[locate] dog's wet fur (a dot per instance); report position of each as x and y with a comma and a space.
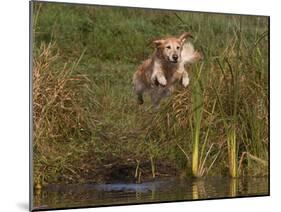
165, 67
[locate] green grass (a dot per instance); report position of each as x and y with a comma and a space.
88, 126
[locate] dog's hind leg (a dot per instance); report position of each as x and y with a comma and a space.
155, 100
139, 89
139, 93
140, 99
156, 96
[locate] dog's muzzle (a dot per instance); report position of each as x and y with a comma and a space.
175, 58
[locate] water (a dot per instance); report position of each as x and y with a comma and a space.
163, 190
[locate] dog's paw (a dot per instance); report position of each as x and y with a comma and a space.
155, 83
162, 80
185, 81
140, 100
198, 55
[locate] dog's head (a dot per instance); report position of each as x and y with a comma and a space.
170, 48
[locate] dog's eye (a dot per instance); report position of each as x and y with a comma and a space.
168, 47
178, 47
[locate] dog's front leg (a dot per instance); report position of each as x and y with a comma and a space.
185, 79
158, 75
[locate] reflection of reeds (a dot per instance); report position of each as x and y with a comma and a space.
198, 189
233, 187
195, 192
138, 195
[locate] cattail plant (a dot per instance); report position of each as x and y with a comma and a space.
197, 106
232, 152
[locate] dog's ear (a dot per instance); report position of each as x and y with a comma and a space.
184, 36
158, 43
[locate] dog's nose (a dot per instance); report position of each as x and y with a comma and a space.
175, 57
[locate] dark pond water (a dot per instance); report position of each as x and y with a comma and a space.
163, 190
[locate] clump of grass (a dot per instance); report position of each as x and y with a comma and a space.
237, 105
63, 103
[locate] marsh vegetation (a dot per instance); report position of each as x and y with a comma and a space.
87, 125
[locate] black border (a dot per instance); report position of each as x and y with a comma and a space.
31, 111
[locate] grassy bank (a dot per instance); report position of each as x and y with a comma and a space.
88, 126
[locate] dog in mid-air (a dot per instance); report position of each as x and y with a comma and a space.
164, 68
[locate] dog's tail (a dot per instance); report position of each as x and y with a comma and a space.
189, 55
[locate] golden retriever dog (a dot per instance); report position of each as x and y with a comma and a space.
166, 66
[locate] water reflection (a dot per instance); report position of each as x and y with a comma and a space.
169, 189
198, 190
233, 187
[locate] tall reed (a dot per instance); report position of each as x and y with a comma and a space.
197, 107
232, 152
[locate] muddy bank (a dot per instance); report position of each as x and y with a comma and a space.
130, 171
